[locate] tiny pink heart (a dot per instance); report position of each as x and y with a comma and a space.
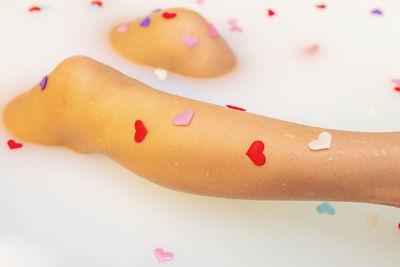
163, 256
213, 30
323, 142
123, 28
184, 118
189, 41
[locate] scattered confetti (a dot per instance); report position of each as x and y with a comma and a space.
255, 153
397, 89
161, 74
163, 256
200, 2
123, 27
270, 13
234, 107
145, 22
233, 26
213, 30
323, 142
377, 11
156, 10
312, 49
13, 145
325, 207
372, 219
185, 118
97, 3
396, 81
168, 15
321, 6
399, 226
35, 9
189, 41
141, 131
43, 83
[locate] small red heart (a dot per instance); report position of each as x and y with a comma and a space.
34, 8
321, 6
255, 153
97, 3
169, 15
13, 145
397, 89
271, 12
234, 107
141, 131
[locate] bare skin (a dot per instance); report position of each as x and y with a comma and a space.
90, 107
161, 45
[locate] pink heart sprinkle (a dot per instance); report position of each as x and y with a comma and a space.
233, 26
396, 81
184, 118
123, 28
163, 256
190, 42
213, 30
200, 2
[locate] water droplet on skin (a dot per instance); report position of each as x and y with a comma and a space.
283, 184
207, 174
176, 163
329, 159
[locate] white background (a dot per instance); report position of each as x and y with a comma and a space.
60, 208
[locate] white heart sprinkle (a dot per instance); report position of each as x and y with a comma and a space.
161, 74
323, 142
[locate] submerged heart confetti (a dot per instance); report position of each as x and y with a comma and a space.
323, 142
255, 153
43, 83
13, 145
190, 41
326, 208
145, 22
163, 256
233, 27
185, 118
168, 15
140, 131
377, 11
270, 13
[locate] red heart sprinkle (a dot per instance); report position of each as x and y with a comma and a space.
97, 3
34, 8
13, 145
321, 6
141, 131
397, 89
255, 153
234, 107
271, 12
399, 226
169, 15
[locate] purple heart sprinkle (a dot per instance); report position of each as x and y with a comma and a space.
43, 83
145, 22
377, 12
156, 10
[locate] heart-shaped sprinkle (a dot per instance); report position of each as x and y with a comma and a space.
396, 81
97, 3
141, 131
321, 6
399, 226
185, 118
200, 2
312, 49
13, 145
161, 74
123, 27
234, 107
43, 83
233, 26
255, 153
325, 207
377, 11
213, 30
168, 15
397, 89
35, 9
270, 12
323, 142
145, 22
163, 256
189, 41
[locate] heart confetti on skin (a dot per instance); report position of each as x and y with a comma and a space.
396, 81
161, 74
323, 142
35, 9
43, 83
185, 118
145, 22
255, 153
233, 26
213, 30
234, 107
123, 28
13, 145
190, 42
325, 207
163, 256
168, 15
141, 131
270, 12
321, 6
377, 11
